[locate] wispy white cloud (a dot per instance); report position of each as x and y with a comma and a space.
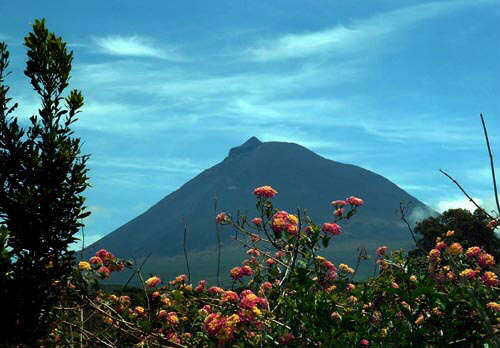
134, 46
358, 35
172, 165
454, 203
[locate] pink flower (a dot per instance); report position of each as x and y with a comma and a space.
103, 253
286, 338
473, 251
104, 271
270, 262
332, 275
332, 228
364, 342
441, 245
339, 203
200, 286
335, 315
246, 271
236, 273
486, 260
257, 221
381, 251
279, 254
493, 224
338, 212
266, 286
354, 201
265, 191
155, 295
468, 273
95, 260
434, 253
139, 310
222, 217
329, 265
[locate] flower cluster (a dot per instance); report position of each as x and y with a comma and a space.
331, 228
283, 221
265, 191
103, 262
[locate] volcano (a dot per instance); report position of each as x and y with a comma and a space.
301, 177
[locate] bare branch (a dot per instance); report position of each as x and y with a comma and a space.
466, 194
491, 164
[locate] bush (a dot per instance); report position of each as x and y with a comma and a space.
287, 295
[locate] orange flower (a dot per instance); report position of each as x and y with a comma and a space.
139, 310
493, 306
455, 249
450, 233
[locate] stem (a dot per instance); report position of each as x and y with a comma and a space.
491, 163
218, 241
185, 253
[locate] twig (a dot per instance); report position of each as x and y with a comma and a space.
290, 268
466, 194
217, 231
88, 333
491, 163
261, 251
403, 211
133, 274
185, 253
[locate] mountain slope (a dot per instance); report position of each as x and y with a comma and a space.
302, 179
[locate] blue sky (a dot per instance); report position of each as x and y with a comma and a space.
392, 86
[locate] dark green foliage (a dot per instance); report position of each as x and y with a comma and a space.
470, 230
42, 174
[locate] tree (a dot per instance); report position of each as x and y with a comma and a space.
470, 230
42, 176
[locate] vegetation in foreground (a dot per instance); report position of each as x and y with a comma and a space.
285, 294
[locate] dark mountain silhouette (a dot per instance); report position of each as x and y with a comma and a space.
302, 179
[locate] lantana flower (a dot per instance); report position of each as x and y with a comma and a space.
265, 191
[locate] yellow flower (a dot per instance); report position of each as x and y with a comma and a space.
84, 265
293, 219
413, 278
232, 320
256, 311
